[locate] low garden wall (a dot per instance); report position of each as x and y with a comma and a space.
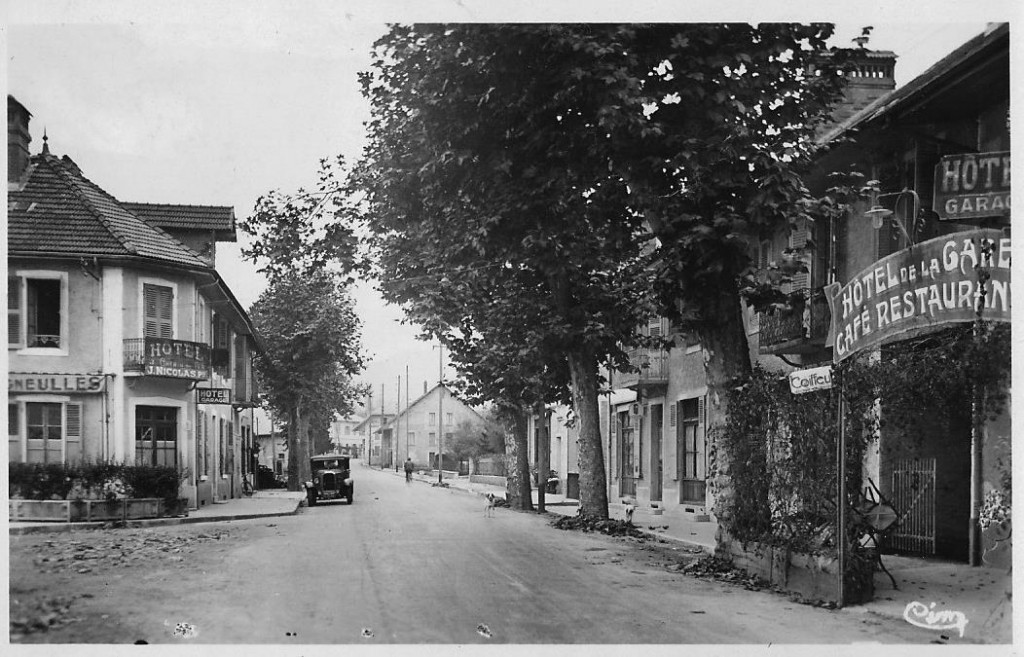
491, 480
94, 510
811, 577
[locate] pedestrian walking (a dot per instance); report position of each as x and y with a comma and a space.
408, 470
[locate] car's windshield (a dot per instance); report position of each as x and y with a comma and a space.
330, 464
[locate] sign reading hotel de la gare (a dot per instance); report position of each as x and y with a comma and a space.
920, 289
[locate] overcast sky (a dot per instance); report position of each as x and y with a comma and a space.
181, 102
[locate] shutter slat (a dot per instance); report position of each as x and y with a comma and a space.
14, 311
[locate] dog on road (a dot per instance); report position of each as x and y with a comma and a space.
629, 513
489, 509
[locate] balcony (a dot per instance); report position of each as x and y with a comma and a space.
652, 366
798, 330
176, 359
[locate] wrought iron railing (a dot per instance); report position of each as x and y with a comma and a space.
801, 327
650, 367
169, 358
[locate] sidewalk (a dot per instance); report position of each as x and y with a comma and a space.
982, 594
268, 503
667, 526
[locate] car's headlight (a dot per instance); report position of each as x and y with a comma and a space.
348, 482
316, 480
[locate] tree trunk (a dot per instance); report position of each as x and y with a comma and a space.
726, 365
541, 425
294, 483
593, 480
517, 460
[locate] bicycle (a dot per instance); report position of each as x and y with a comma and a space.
247, 488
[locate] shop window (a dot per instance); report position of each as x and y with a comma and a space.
54, 432
156, 435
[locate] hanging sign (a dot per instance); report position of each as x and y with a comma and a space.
213, 395
921, 289
816, 378
972, 186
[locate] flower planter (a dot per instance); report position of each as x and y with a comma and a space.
94, 510
40, 510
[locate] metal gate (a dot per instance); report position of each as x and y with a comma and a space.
913, 498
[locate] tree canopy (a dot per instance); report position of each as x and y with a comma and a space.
537, 191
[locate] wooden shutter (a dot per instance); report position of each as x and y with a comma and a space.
672, 415
798, 240
14, 313
73, 432
158, 302
14, 454
702, 448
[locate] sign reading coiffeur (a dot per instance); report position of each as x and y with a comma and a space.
816, 378
972, 186
920, 289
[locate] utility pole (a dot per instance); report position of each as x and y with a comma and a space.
383, 421
407, 411
398, 412
440, 416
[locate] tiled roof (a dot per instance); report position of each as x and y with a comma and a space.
186, 217
59, 211
935, 75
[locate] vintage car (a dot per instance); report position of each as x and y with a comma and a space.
332, 479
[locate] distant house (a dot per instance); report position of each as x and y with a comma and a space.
369, 434
414, 432
124, 343
345, 435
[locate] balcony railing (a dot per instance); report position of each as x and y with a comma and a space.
801, 329
175, 359
652, 365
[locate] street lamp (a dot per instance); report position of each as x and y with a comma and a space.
878, 213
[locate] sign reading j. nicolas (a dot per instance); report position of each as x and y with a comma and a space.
920, 289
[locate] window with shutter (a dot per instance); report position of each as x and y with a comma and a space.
14, 434
14, 312
158, 309
73, 432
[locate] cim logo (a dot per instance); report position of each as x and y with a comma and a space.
818, 378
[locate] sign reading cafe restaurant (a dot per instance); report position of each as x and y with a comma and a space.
919, 289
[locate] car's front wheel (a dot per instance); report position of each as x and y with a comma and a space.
311, 496
348, 496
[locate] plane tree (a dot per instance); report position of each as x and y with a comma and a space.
593, 174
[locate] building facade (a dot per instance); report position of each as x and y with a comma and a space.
414, 433
949, 127
124, 343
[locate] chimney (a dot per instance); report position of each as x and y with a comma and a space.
18, 139
872, 76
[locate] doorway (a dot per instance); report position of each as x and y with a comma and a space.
657, 423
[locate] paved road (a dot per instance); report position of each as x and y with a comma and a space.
407, 563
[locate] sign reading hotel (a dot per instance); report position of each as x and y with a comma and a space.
920, 289
213, 395
55, 383
972, 186
177, 359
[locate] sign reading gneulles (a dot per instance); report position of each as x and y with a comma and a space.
919, 289
55, 383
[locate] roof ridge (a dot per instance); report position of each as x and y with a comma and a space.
58, 167
75, 179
